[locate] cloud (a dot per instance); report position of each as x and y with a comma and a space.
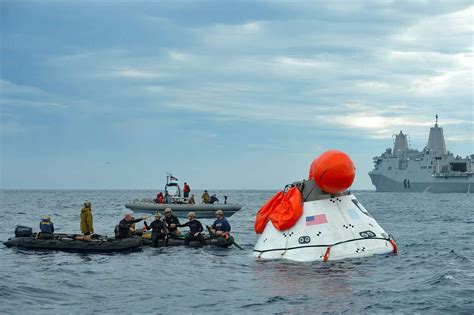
134, 73
220, 35
9, 88
344, 74
444, 32
28, 103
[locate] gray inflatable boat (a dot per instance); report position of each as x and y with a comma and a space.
181, 210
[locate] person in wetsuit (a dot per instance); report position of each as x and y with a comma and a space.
125, 226
172, 223
46, 228
221, 226
159, 230
213, 199
195, 228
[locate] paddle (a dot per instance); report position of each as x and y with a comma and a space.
237, 245
209, 229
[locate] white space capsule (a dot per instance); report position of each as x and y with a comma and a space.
332, 227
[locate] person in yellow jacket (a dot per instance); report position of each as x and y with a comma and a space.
87, 226
205, 197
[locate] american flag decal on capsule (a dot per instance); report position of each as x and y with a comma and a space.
316, 219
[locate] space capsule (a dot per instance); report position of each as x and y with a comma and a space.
319, 219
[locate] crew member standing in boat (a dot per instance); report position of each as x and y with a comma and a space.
191, 200
159, 197
186, 190
46, 228
195, 228
221, 226
205, 197
124, 229
159, 230
87, 226
172, 222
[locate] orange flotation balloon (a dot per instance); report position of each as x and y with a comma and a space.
265, 211
283, 210
288, 212
333, 171
311, 176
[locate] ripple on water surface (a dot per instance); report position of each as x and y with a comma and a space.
432, 273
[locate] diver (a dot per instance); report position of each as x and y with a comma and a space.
124, 229
221, 226
205, 197
159, 230
87, 226
172, 223
213, 199
46, 228
195, 228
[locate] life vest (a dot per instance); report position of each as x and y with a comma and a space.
46, 226
283, 210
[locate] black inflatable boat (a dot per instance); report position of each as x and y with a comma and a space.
67, 242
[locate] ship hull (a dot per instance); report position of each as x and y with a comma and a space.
461, 184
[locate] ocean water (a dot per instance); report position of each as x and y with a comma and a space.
433, 272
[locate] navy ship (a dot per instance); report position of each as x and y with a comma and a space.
432, 170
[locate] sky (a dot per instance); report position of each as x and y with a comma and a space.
225, 95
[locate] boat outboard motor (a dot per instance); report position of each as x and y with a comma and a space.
23, 231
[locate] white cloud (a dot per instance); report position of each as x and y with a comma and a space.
179, 56
7, 87
434, 32
135, 73
31, 103
220, 34
466, 137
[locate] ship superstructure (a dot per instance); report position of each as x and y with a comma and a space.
434, 169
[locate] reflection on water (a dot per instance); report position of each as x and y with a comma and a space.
322, 282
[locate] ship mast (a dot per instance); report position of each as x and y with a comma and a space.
436, 141
401, 144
